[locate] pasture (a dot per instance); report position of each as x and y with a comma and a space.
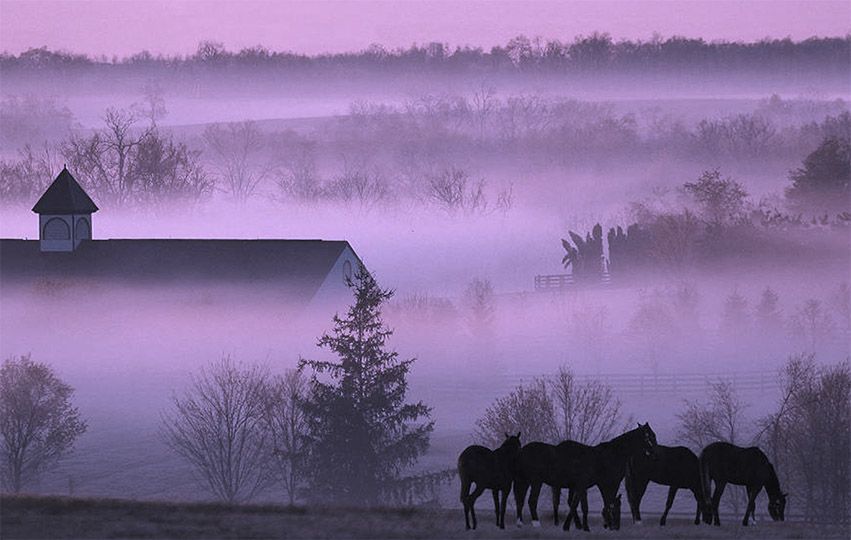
60, 517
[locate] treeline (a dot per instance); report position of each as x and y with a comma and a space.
719, 223
597, 51
559, 130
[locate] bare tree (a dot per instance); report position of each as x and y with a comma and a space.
481, 305
455, 191
287, 427
123, 165
809, 437
719, 419
152, 107
357, 186
586, 411
38, 424
528, 409
236, 148
27, 177
298, 178
484, 103
217, 425
811, 324
104, 159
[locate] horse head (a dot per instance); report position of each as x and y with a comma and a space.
612, 514
777, 507
647, 439
511, 444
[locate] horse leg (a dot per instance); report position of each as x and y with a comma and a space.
672, 492
533, 503
472, 502
576, 520
749, 511
697, 513
495, 493
502, 508
584, 502
556, 501
572, 501
716, 500
520, 489
465, 494
634, 496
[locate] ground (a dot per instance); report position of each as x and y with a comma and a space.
61, 517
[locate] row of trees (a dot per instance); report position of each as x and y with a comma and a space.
595, 51
719, 221
808, 436
344, 435
332, 431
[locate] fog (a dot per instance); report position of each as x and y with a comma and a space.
537, 158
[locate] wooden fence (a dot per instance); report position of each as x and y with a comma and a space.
649, 384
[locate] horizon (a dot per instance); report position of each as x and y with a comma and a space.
313, 29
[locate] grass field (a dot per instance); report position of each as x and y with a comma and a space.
60, 517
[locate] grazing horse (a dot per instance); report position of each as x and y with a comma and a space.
603, 465
542, 463
488, 469
725, 464
611, 514
676, 467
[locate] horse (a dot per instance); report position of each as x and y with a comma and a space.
676, 467
725, 464
541, 463
603, 465
488, 469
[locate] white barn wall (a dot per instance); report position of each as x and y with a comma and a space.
333, 295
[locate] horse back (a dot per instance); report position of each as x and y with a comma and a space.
675, 466
481, 465
734, 464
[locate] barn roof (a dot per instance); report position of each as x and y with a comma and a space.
65, 196
293, 268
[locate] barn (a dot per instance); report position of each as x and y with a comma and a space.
305, 272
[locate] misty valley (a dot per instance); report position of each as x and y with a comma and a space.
309, 282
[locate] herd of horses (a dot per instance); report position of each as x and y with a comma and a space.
633, 457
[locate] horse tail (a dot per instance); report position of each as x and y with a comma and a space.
705, 480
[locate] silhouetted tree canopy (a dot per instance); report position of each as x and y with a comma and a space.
823, 184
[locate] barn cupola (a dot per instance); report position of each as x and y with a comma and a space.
64, 214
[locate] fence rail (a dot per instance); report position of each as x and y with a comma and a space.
640, 384
560, 282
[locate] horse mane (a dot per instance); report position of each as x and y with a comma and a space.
619, 441
772, 484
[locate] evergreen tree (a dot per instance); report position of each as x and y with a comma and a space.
363, 433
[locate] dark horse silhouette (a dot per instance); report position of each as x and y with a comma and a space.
677, 467
577, 466
488, 469
725, 463
541, 463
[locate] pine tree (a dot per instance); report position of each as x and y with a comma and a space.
363, 433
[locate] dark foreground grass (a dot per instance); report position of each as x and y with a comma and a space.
61, 517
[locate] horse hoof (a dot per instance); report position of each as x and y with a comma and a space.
519, 523
536, 524
638, 523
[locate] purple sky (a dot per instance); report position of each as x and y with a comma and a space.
126, 27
